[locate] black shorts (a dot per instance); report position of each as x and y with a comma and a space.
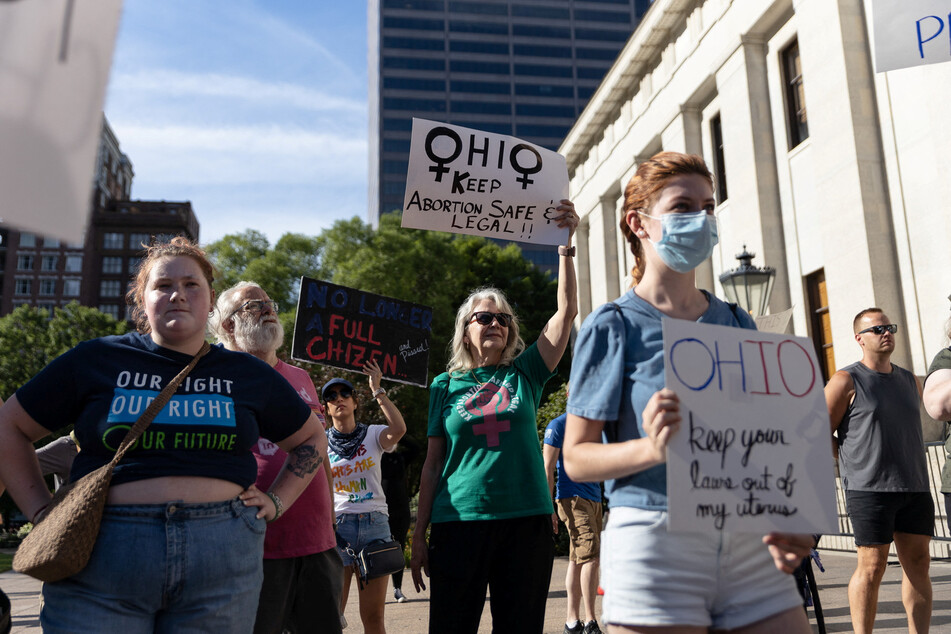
877, 516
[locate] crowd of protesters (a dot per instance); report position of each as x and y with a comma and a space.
255, 528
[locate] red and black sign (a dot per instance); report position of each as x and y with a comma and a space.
344, 328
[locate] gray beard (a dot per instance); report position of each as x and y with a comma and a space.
256, 338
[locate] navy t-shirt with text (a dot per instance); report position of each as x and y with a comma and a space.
207, 429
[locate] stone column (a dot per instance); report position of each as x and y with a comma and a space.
754, 215
584, 268
684, 132
609, 226
861, 260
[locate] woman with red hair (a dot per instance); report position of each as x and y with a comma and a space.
667, 582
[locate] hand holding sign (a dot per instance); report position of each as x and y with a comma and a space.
372, 369
661, 421
565, 217
788, 549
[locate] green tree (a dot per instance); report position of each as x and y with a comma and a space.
425, 267
233, 254
23, 337
29, 339
552, 408
74, 323
439, 270
249, 256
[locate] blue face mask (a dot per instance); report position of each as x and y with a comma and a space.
687, 240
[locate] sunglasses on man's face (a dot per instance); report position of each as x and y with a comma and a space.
880, 330
484, 318
331, 395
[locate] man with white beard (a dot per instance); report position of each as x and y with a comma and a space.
303, 573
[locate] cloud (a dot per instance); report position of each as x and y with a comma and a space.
280, 31
177, 84
253, 110
177, 154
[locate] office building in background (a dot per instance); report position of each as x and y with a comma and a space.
520, 67
48, 273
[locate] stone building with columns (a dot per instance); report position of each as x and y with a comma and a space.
831, 173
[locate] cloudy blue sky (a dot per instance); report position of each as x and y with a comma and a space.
254, 110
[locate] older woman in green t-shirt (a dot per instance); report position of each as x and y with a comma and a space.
483, 485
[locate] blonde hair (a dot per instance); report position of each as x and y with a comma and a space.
460, 359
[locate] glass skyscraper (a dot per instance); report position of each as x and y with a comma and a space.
519, 67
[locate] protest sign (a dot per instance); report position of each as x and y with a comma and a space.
344, 328
54, 64
911, 33
754, 449
462, 180
777, 322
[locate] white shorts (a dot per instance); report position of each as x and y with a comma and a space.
719, 580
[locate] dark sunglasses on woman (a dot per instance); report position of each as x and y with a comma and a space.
484, 318
331, 395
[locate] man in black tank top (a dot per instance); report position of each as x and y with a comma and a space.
874, 408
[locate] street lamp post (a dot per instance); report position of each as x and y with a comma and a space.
748, 285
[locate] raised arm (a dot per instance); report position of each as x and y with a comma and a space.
19, 467
428, 483
937, 394
554, 337
395, 425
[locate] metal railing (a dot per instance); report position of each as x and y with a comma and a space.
940, 545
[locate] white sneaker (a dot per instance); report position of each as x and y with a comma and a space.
343, 622
398, 595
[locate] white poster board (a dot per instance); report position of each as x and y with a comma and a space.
911, 33
55, 57
478, 183
777, 322
754, 449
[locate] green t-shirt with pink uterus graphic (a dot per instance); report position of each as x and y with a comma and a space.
493, 467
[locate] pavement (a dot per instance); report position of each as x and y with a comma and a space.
412, 617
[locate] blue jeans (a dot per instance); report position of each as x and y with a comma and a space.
170, 567
359, 529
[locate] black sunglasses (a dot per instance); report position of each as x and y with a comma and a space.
880, 330
484, 318
331, 395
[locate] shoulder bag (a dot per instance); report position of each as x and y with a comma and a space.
61, 543
377, 559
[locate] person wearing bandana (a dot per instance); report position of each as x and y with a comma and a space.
355, 450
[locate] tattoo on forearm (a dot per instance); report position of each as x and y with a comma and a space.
304, 460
